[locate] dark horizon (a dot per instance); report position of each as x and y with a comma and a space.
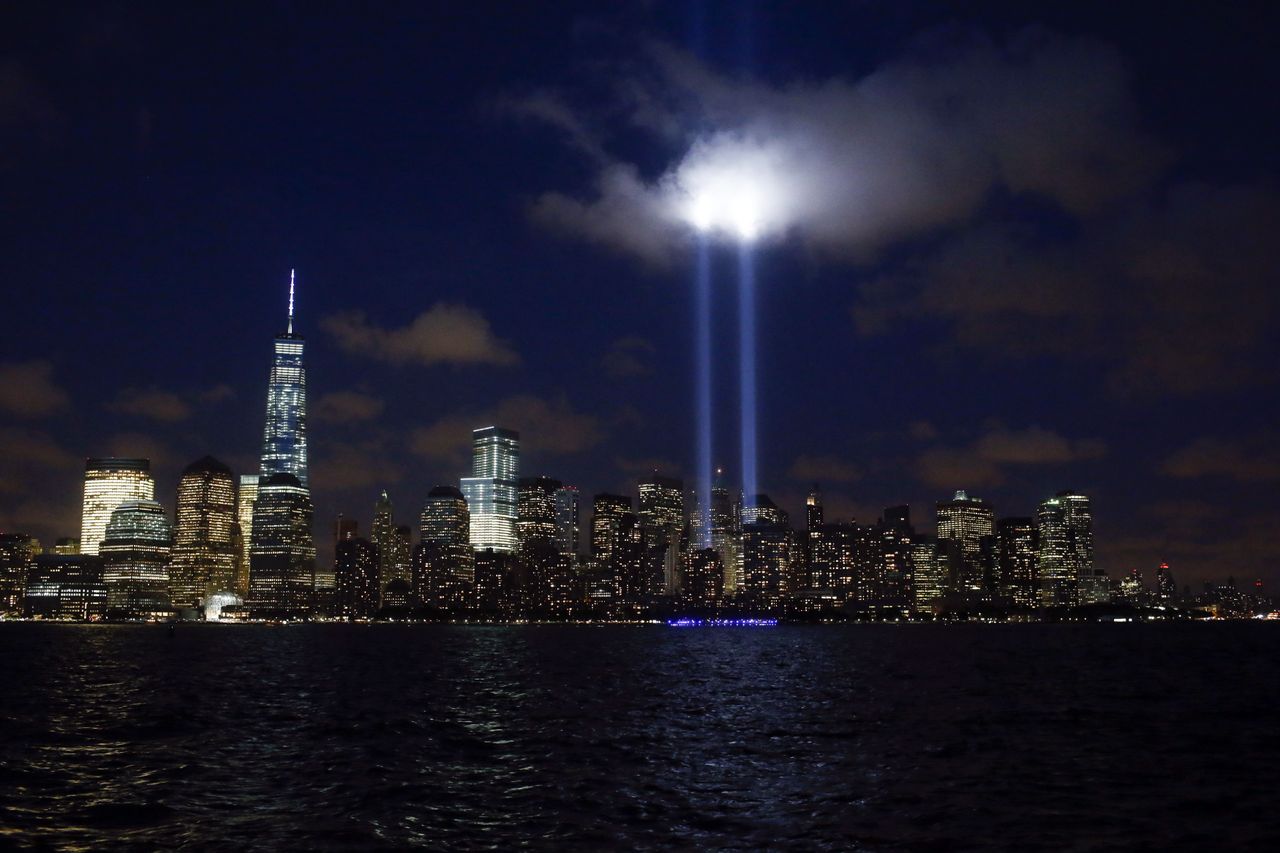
1084, 303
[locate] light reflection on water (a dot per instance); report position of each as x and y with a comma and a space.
332, 736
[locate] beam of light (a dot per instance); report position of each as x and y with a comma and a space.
703, 336
747, 368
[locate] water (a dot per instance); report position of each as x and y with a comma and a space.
1016, 737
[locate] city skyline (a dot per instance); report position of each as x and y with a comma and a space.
435, 301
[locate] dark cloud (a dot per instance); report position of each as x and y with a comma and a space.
347, 407
547, 427
27, 389
446, 334
824, 469
628, 356
984, 462
163, 406
1255, 460
1171, 295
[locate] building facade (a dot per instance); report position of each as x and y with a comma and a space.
491, 490
135, 552
282, 555
109, 482
204, 552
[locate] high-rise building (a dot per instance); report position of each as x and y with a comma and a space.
356, 581
617, 548
896, 535
1166, 588
16, 557
204, 556
1016, 560
66, 546
1064, 527
968, 521
767, 555
567, 515
244, 516
928, 572
135, 552
703, 583
444, 562
761, 509
662, 524
491, 489
282, 555
400, 566
383, 535
536, 511
726, 534
284, 440
66, 587
108, 483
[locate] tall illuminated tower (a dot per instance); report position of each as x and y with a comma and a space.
567, 513
107, 484
284, 441
491, 490
244, 514
204, 556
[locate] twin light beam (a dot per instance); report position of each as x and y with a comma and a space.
735, 214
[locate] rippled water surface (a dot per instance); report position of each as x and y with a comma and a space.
1021, 737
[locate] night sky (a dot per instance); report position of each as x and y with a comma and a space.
1034, 247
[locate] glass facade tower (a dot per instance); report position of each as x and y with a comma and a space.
204, 552
284, 440
491, 490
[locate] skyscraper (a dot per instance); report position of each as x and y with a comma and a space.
16, 557
726, 534
491, 489
567, 524
928, 572
107, 484
356, 580
244, 515
135, 555
1064, 527
204, 557
444, 562
282, 555
1166, 588
66, 587
536, 511
1016, 560
284, 440
382, 534
662, 523
968, 521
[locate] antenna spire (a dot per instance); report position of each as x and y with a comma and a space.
291, 301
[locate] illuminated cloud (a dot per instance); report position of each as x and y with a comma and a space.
984, 462
850, 166
27, 389
446, 334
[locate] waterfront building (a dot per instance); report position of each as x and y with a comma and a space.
204, 553
136, 549
444, 562
491, 490
109, 482
661, 525
1016, 548
16, 558
65, 587
244, 516
1064, 527
567, 520
928, 572
282, 554
969, 522
357, 585
703, 582
536, 511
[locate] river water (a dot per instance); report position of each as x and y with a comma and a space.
915, 737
